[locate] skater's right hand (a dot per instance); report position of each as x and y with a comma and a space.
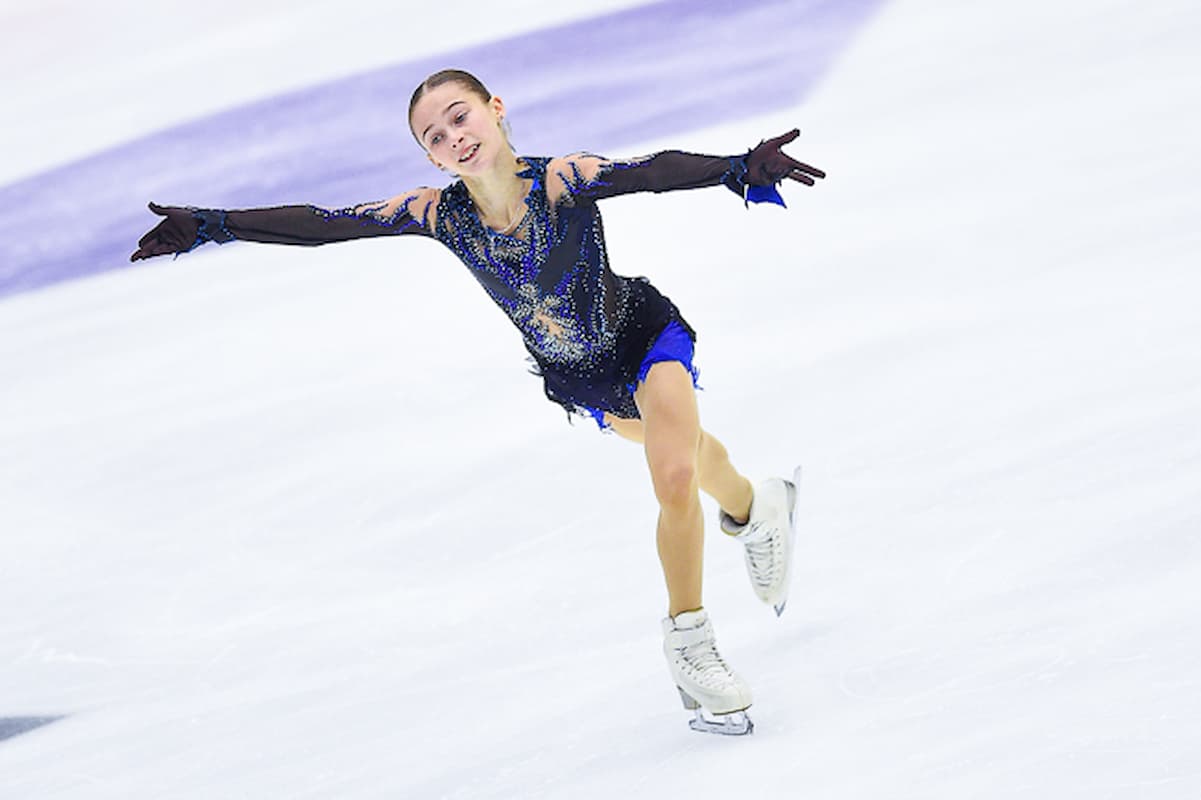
175, 234
767, 164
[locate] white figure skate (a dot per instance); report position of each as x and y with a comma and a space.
769, 536
703, 678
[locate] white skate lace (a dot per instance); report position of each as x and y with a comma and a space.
703, 664
765, 554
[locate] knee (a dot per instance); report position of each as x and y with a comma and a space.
675, 482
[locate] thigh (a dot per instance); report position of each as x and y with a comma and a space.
630, 429
671, 424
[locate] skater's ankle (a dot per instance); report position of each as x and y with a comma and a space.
741, 513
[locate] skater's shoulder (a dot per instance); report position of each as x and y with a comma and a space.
421, 204
576, 165
571, 174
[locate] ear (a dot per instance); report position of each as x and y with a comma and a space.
498, 107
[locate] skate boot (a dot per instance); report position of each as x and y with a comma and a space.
769, 536
703, 678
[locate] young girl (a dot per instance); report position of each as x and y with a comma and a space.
606, 346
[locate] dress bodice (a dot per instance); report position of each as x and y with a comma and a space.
550, 274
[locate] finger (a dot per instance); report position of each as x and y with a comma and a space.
153, 234
158, 249
802, 177
783, 139
163, 210
808, 170
792, 164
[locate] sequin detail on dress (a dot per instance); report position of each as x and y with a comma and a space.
551, 277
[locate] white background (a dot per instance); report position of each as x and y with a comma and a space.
274, 524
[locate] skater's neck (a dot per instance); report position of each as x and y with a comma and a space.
498, 193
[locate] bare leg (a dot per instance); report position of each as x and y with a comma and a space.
718, 478
671, 438
721, 481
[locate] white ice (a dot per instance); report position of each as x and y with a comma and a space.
274, 527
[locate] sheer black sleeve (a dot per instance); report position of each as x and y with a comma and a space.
590, 176
309, 225
753, 176
185, 228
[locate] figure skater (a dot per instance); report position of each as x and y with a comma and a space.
607, 347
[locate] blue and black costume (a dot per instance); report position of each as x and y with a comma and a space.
592, 334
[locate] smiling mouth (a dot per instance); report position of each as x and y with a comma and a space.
470, 154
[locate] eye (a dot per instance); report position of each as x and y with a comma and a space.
437, 137
462, 115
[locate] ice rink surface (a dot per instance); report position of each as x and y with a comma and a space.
295, 523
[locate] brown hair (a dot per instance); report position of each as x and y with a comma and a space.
469, 81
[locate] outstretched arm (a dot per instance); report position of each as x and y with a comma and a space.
185, 228
752, 176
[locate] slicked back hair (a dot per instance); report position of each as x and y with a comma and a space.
469, 81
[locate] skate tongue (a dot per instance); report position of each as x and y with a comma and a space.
686, 629
689, 619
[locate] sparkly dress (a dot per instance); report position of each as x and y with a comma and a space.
586, 328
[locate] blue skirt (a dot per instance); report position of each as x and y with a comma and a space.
674, 343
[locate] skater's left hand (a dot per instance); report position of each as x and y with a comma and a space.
766, 165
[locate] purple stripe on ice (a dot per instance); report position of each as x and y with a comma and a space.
599, 84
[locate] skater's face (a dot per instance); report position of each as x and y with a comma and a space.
461, 133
